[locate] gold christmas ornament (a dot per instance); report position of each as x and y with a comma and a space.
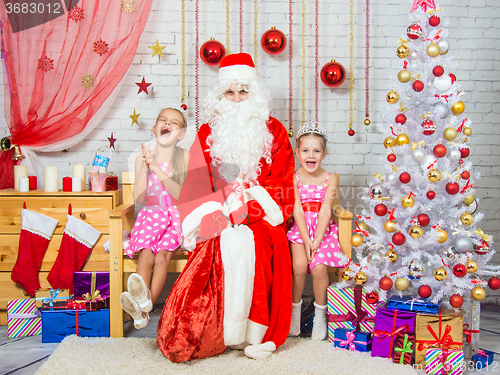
457, 108
360, 278
363, 226
466, 218
389, 142
290, 134
442, 236
467, 131
356, 240
434, 175
391, 255
392, 97
402, 139
390, 226
367, 121
416, 231
469, 199
478, 293
449, 134
433, 49
401, 284
407, 201
404, 76
345, 274
440, 274
471, 266
403, 51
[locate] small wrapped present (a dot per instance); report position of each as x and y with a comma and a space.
444, 362
472, 318
403, 349
52, 297
483, 358
111, 182
389, 324
420, 305
347, 308
97, 305
444, 330
91, 286
23, 318
352, 340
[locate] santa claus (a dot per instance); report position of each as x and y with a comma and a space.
235, 290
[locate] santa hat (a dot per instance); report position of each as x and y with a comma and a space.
237, 66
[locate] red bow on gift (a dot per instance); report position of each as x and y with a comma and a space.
350, 336
440, 341
468, 332
443, 357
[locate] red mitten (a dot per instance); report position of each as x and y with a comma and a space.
247, 214
212, 224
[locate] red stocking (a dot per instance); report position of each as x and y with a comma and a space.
36, 231
77, 242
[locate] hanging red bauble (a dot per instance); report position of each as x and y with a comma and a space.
452, 188
423, 220
482, 249
418, 85
385, 283
453, 78
414, 31
273, 41
351, 132
424, 291
372, 297
465, 175
380, 209
434, 21
429, 127
430, 195
398, 238
404, 177
438, 71
439, 150
332, 74
464, 152
212, 52
391, 158
184, 107
459, 270
401, 119
456, 300
494, 283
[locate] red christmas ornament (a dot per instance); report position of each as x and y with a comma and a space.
430, 195
273, 41
494, 283
439, 150
429, 127
482, 249
351, 132
465, 175
391, 158
401, 119
464, 152
332, 74
398, 238
452, 188
372, 297
184, 107
385, 283
453, 78
212, 52
404, 177
456, 301
423, 220
418, 85
380, 209
414, 31
459, 270
424, 291
438, 71
434, 21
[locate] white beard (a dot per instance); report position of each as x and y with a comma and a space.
240, 138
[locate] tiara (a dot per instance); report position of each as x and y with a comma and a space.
312, 127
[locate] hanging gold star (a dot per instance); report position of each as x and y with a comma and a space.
157, 49
135, 118
128, 6
87, 81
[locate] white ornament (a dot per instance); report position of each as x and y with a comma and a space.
455, 155
418, 154
444, 46
442, 83
463, 244
427, 162
392, 178
440, 109
414, 55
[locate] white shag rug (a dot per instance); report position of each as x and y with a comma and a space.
77, 355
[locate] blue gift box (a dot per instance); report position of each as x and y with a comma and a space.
483, 359
59, 323
420, 305
350, 339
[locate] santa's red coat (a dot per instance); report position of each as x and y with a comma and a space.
191, 324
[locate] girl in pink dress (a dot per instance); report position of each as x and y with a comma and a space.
314, 235
156, 235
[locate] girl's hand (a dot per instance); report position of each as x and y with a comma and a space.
148, 157
310, 251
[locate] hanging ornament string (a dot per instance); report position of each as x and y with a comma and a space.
367, 72
255, 37
241, 26
290, 71
183, 96
316, 64
303, 61
351, 70
197, 68
227, 27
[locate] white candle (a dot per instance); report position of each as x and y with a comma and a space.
19, 171
79, 171
76, 184
24, 184
50, 179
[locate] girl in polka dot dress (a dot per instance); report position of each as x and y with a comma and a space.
156, 235
313, 236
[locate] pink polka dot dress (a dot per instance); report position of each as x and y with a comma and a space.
157, 226
329, 252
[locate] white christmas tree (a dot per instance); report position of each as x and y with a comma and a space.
420, 234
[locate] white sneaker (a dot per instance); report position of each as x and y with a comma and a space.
130, 306
140, 292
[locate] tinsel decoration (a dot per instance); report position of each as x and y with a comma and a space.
183, 43
290, 71
351, 131
316, 62
197, 66
304, 61
241, 26
367, 68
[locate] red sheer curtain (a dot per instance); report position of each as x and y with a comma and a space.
57, 75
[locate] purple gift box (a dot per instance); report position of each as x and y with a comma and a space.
388, 325
91, 286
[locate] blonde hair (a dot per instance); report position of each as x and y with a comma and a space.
323, 139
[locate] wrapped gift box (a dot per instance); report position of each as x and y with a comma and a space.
451, 361
57, 323
352, 340
436, 331
420, 305
388, 325
472, 320
23, 318
52, 297
344, 306
403, 349
91, 286
483, 358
